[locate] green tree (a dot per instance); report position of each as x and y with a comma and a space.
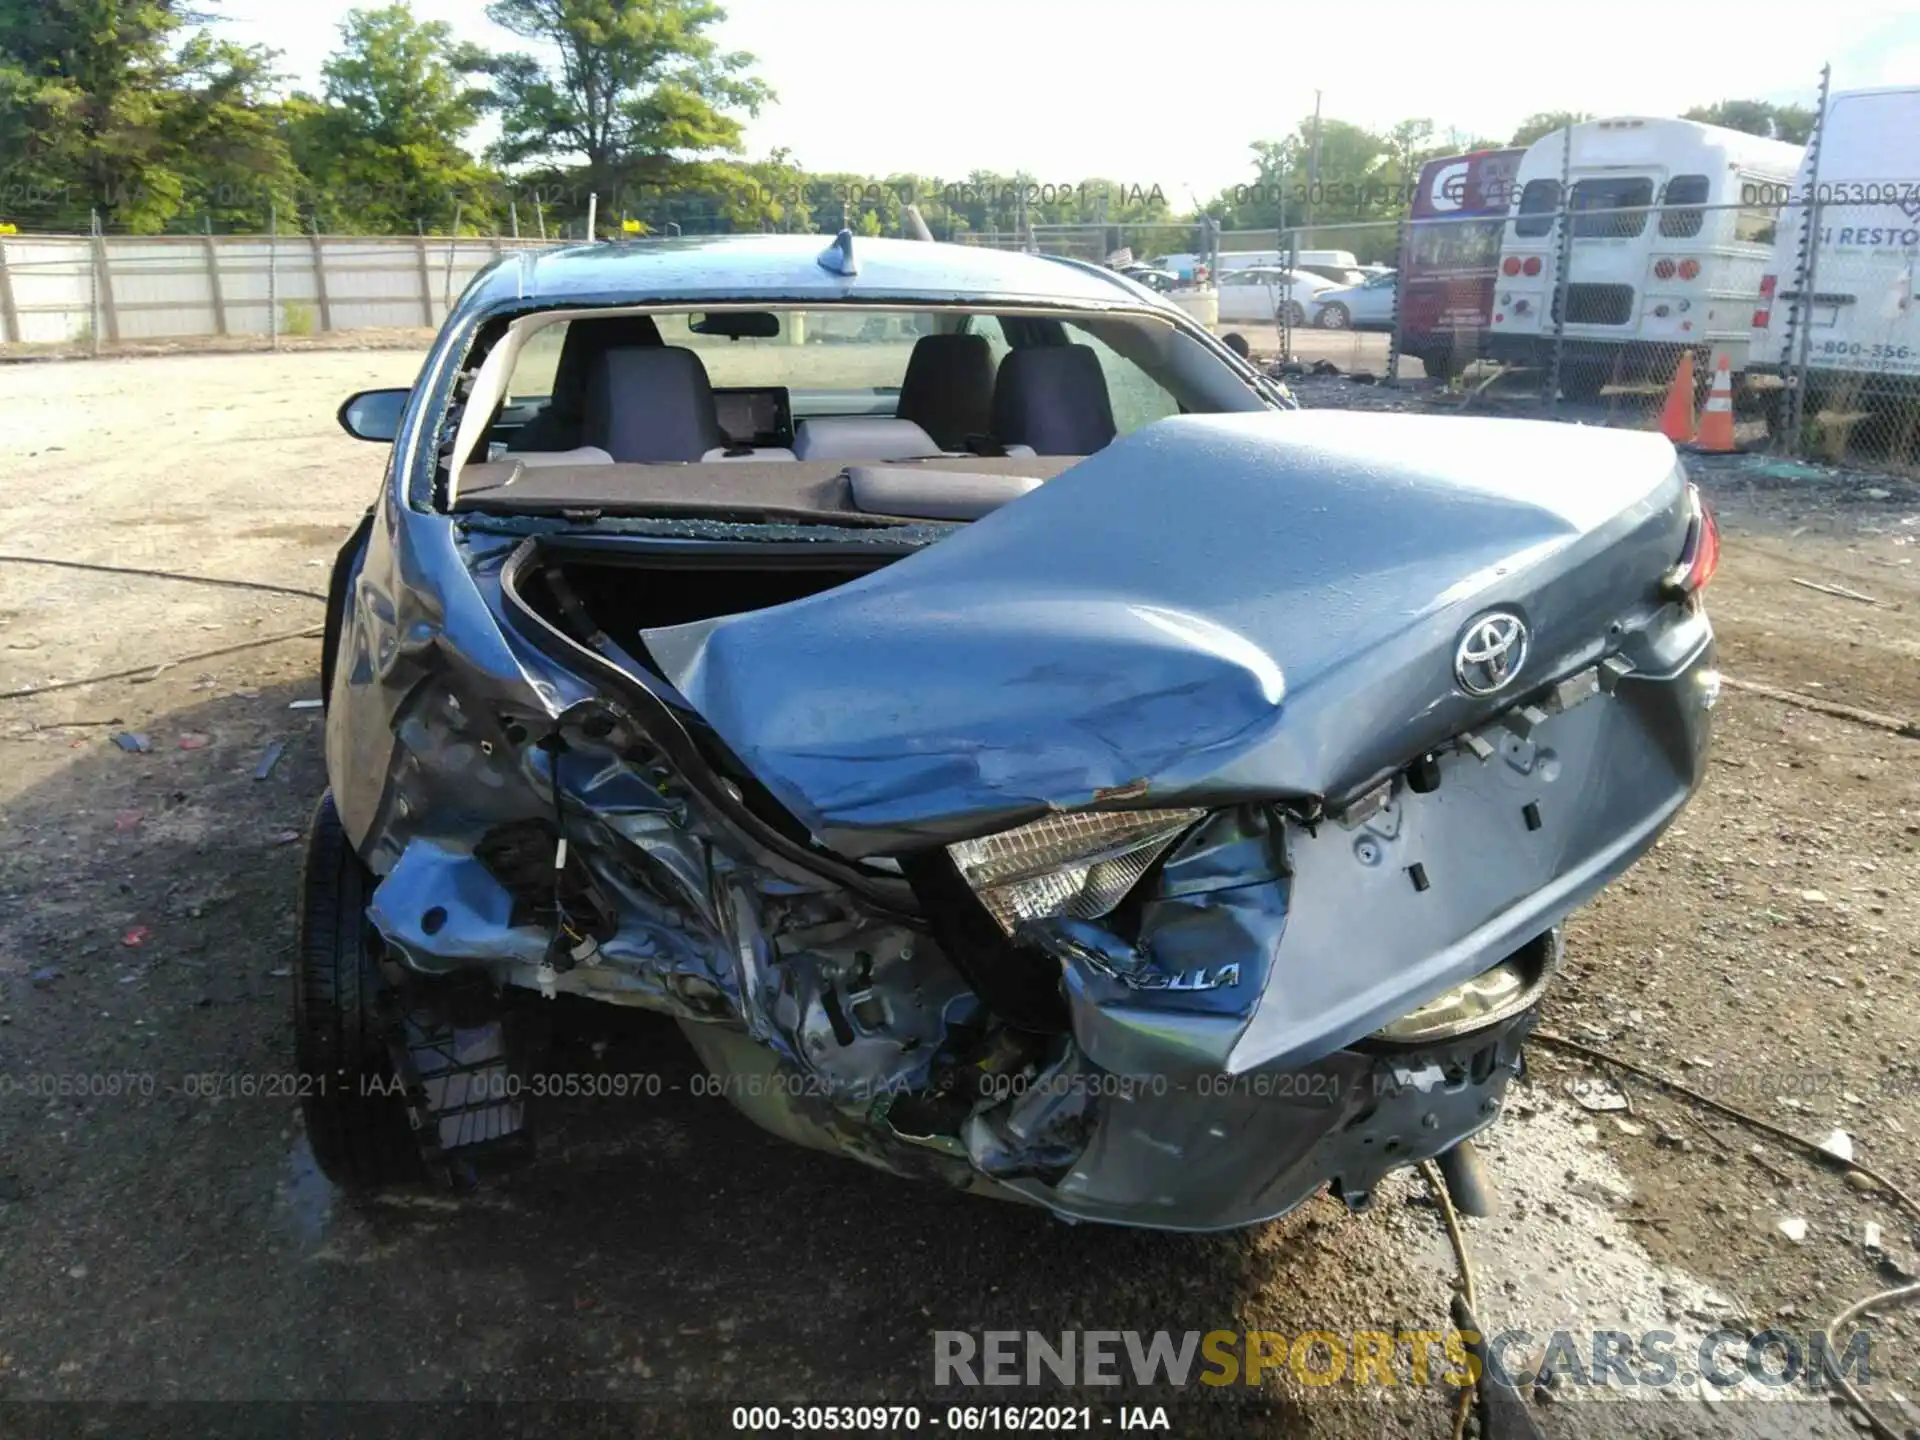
1545, 122
633, 92
228, 133
383, 151
84, 85
1792, 123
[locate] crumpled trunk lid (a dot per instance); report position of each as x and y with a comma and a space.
1213, 609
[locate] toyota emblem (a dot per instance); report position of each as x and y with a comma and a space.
1491, 653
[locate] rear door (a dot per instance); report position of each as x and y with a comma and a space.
1609, 248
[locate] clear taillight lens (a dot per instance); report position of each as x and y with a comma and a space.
1080, 865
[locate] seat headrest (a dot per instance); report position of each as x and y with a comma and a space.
1054, 398
948, 388
587, 340
645, 405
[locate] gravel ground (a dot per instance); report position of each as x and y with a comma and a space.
175, 1245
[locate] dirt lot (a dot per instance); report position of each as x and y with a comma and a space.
171, 1241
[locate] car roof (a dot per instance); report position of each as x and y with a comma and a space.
788, 268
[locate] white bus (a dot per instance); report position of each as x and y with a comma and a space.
1861, 326
1641, 285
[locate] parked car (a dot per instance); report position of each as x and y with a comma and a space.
1038, 758
1338, 261
1366, 306
1152, 277
1335, 274
1262, 292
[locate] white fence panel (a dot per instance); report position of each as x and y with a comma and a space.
166, 286
160, 287
50, 278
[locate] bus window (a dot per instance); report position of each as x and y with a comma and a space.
1536, 208
1684, 190
1456, 245
1617, 196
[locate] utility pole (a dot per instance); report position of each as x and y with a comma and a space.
1313, 160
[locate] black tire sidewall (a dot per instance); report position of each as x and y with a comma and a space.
356, 1119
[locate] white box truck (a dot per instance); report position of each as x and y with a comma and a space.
1860, 326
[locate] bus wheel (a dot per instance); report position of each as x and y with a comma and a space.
1440, 366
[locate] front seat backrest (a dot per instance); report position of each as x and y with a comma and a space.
1054, 398
651, 405
948, 388
557, 426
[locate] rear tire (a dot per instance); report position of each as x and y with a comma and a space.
355, 1115
1581, 380
1334, 316
1438, 367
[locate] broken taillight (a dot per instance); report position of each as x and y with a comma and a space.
1701, 557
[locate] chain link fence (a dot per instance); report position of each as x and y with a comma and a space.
1757, 324
1794, 313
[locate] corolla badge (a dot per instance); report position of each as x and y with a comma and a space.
1491, 653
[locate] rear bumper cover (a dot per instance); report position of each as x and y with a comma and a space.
1238, 1150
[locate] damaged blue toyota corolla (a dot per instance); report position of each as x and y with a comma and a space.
1018, 746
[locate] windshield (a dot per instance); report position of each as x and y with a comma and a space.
842, 352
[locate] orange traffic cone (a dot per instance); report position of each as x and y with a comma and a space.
1716, 421
1676, 420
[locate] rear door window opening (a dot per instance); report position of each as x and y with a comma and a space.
1683, 190
1617, 195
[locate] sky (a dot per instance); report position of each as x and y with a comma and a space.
1172, 95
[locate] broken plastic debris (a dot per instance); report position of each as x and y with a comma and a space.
1839, 1145
270, 759
304, 705
1794, 1228
1787, 470
134, 744
1872, 1236
136, 937
286, 837
193, 740
1599, 1095
45, 977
